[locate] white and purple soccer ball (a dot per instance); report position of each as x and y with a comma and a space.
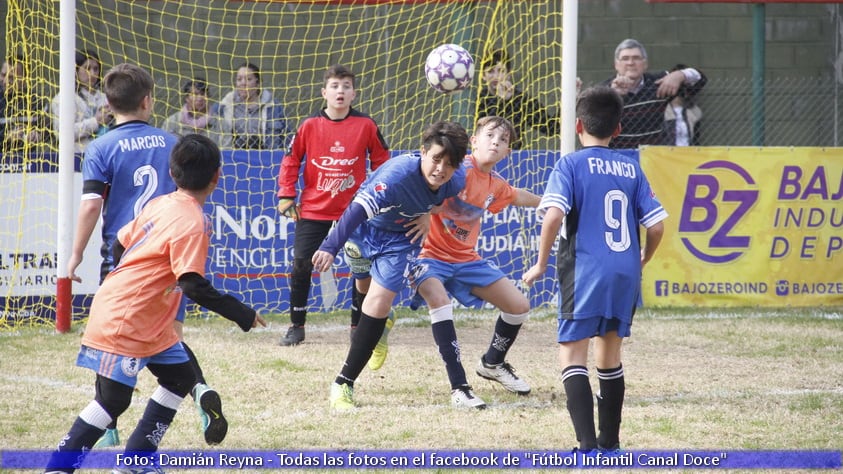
449, 68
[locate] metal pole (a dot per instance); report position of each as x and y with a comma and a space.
67, 113
758, 66
569, 75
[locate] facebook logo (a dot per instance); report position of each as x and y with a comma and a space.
661, 288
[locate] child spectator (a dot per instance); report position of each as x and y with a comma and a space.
196, 115
93, 115
250, 118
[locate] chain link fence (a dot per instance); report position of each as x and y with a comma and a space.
794, 112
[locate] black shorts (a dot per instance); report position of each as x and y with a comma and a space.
308, 236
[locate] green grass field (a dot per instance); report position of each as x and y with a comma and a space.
743, 379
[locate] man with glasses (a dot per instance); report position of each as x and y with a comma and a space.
646, 95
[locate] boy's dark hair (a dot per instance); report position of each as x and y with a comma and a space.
197, 83
449, 135
496, 56
86, 54
125, 86
255, 70
193, 162
497, 122
599, 109
338, 71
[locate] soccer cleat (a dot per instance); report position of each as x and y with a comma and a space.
463, 397
109, 439
209, 406
341, 396
381, 350
294, 336
504, 374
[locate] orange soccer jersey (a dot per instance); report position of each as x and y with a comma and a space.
133, 311
455, 229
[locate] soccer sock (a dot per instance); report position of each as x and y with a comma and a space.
609, 406
299, 290
356, 304
156, 419
580, 405
390, 321
85, 431
369, 332
506, 330
445, 337
194, 364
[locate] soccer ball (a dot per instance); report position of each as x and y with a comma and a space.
449, 68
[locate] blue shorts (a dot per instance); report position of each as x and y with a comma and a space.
458, 278
125, 369
390, 254
570, 330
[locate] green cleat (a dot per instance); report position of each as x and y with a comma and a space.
381, 350
341, 396
109, 439
209, 406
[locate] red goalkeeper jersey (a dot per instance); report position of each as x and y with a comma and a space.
334, 153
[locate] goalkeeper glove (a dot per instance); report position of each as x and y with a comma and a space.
288, 208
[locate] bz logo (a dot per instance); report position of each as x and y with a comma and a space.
704, 200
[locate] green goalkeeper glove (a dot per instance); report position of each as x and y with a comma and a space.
287, 207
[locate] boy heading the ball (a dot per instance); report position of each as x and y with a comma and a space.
402, 190
159, 256
449, 264
332, 145
599, 261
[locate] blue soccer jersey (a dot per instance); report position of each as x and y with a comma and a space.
397, 193
133, 160
603, 194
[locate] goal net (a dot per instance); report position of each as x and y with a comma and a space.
292, 42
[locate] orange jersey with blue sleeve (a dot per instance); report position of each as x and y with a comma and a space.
454, 230
133, 311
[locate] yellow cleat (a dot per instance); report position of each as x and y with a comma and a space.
341, 396
381, 350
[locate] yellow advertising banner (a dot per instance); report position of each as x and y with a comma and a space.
747, 226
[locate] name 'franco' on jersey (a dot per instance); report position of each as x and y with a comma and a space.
603, 193
397, 193
133, 158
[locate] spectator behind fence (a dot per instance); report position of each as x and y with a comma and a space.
500, 97
646, 95
250, 119
197, 114
682, 116
24, 121
4, 71
93, 116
